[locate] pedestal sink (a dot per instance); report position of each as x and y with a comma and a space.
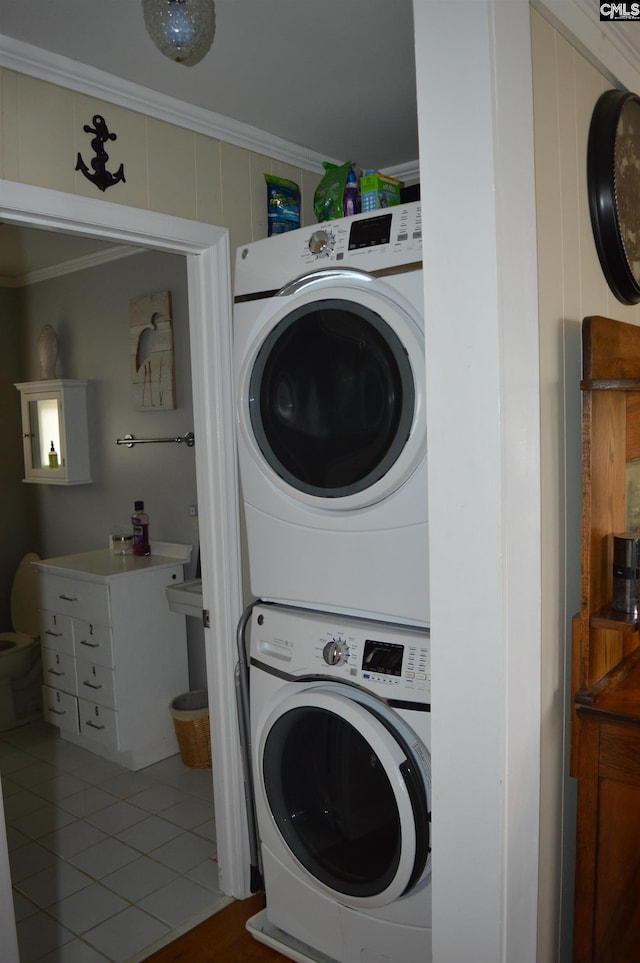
186, 598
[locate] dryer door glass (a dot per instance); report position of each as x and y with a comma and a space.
331, 398
334, 803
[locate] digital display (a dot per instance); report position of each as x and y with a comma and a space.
383, 657
370, 231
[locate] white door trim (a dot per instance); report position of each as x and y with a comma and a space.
207, 251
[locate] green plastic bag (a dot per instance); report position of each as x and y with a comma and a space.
329, 194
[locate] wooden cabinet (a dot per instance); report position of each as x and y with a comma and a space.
605, 732
54, 423
114, 655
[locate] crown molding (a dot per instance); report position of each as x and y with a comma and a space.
613, 48
71, 266
52, 68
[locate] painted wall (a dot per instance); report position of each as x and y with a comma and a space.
571, 286
168, 169
18, 522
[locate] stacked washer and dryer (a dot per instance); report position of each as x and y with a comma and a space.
330, 386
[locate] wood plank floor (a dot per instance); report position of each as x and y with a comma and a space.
222, 938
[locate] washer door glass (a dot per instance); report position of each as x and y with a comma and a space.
331, 398
347, 798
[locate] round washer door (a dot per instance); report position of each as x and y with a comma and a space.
347, 784
332, 391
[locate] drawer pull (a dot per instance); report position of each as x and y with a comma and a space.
55, 672
68, 598
56, 635
91, 645
92, 685
93, 725
58, 712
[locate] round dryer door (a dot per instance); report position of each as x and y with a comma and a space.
334, 394
347, 784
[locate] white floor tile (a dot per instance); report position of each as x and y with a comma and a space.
183, 853
127, 784
159, 798
137, 880
82, 804
208, 830
54, 883
126, 934
76, 951
30, 775
178, 902
206, 874
90, 842
28, 860
188, 813
104, 858
23, 907
147, 835
40, 934
87, 908
16, 839
113, 819
42, 821
59, 787
20, 803
72, 839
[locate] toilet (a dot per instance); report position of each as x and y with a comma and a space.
20, 665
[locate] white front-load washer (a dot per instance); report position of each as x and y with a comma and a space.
329, 366
340, 739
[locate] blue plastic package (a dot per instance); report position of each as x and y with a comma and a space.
283, 204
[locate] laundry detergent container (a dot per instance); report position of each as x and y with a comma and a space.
190, 713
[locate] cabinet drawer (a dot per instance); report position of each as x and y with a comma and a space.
60, 709
98, 723
93, 642
75, 597
56, 631
96, 683
59, 670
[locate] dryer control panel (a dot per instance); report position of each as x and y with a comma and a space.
394, 661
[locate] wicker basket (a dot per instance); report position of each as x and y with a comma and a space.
190, 713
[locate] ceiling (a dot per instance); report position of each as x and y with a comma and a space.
350, 62
336, 77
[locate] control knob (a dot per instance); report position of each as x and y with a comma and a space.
320, 242
335, 652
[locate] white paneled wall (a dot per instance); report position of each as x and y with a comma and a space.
571, 286
168, 169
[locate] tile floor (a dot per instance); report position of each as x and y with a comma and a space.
106, 863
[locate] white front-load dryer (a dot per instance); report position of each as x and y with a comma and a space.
340, 737
329, 363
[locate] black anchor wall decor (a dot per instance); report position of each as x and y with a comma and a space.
101, 177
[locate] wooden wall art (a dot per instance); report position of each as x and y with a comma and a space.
151, 347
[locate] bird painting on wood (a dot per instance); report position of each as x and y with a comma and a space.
151, 347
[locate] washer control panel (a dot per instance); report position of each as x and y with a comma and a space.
374, 242
392, 660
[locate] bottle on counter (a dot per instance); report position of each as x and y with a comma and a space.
53, 456
140, 522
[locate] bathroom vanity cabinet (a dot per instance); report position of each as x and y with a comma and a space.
54, 416
114, 655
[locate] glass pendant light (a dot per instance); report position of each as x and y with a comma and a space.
181, 29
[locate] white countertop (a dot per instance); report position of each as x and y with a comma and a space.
102, 563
